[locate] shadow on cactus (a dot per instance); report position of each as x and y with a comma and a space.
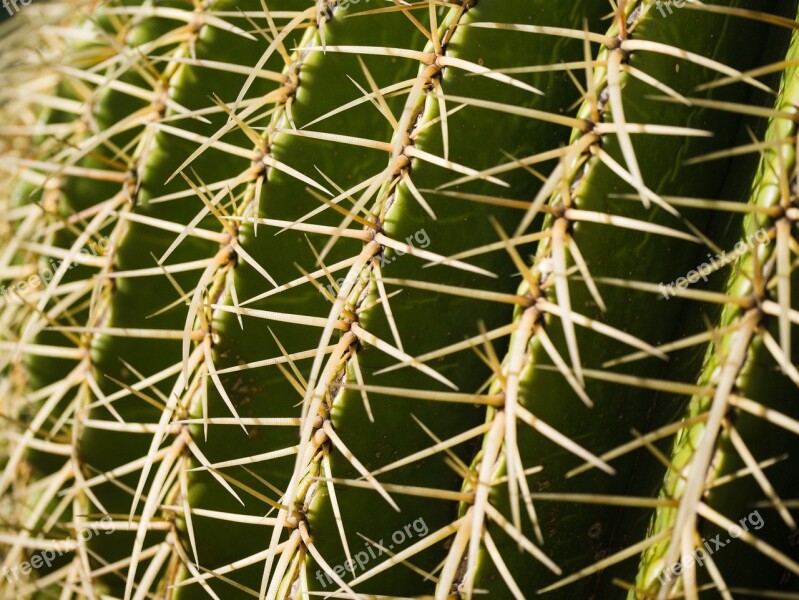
399, 299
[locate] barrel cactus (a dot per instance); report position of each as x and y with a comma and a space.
425, 299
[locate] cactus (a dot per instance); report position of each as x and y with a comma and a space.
399, 299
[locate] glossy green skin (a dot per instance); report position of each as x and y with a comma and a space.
761, 380
135, 299
423, 329
265, 392
79, 194
577, 535
426, 320
429, 320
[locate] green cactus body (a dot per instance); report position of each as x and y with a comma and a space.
733, 432
389, 303
545, 393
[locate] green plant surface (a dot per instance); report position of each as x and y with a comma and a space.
390, 302
742, 416
422, 329
79, 213
577, 536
